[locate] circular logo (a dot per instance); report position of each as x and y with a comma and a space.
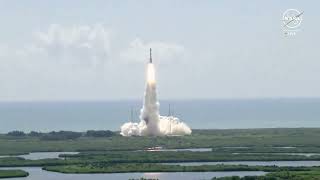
292, 18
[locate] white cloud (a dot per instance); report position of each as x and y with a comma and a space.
3, 50
138, 51
68, 62
88, 45
57, 63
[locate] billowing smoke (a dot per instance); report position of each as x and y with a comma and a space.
151, 123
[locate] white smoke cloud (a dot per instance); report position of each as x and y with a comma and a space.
168, 125
166, 51
151, 123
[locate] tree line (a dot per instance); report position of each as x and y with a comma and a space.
63, 135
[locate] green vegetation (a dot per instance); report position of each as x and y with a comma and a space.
16, 133
107, 151
184, 156
147, 167
107, 133
13, 173
312, 174
296, 175
246, 178
149, 157
60, 135
257, 140
276, 173
20, 162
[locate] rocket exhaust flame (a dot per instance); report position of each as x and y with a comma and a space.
151, 74
151, 123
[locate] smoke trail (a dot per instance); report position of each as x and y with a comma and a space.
150, 111
151, 123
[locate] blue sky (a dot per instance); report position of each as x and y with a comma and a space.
97, 50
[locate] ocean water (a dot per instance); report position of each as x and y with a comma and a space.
215, 114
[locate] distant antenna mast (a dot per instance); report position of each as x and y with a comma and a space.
170, 128
170, 125
170, 111
136, 113
131, 114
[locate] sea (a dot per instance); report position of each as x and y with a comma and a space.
198, 114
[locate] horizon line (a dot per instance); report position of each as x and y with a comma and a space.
164, 99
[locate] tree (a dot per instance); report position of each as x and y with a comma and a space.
16, 133
61, 135
100, 133
35, 134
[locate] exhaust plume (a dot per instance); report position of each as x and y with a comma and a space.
151, 123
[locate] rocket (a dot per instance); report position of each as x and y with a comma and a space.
150, 61
150, 71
